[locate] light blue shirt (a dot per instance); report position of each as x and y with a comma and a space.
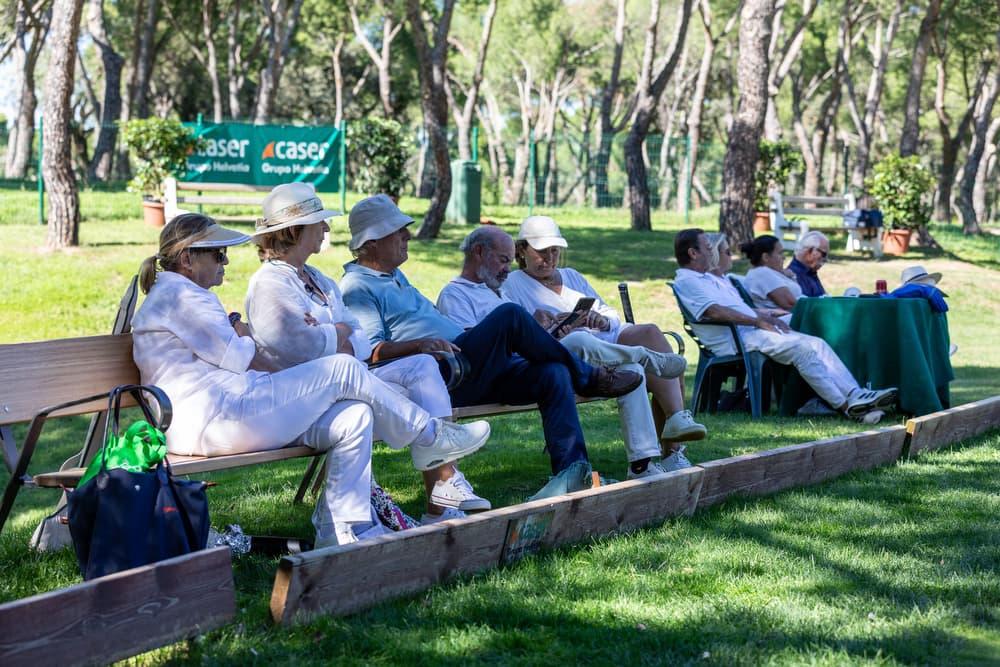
390, 309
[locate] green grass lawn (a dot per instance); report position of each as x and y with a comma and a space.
894, 566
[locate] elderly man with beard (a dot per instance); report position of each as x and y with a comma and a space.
476, 293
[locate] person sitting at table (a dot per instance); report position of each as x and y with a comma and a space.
542, 285
810, 256
769, 284
720, 263
510, 358
476, 293
229, 398
711, 299
297, 314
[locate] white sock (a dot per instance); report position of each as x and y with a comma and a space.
426, 436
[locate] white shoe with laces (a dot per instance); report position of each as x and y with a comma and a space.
651, 470
676, 461
447, 514
451, 442
458, 493
681, 427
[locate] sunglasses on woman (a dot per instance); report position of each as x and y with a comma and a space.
219, 254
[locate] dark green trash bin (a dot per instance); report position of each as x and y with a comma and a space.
466, 193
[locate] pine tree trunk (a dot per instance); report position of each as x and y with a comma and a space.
743, 150
984, 111
112, 62
918, 63
64, 201
25, 58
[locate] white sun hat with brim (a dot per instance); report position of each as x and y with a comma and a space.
918, 274
217, 236
541, 232
291, 205
374, 218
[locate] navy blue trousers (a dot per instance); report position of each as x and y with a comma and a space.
513, 360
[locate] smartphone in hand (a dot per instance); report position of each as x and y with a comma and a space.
581, 309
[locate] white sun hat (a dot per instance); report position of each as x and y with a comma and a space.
290, 205
918, 274
375, 218
541, 232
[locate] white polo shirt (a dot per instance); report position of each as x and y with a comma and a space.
466, 303
698, 291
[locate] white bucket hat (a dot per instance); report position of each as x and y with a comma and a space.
375, 218
918, 274
290, 205
541, 232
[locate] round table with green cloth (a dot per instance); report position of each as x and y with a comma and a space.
885, 341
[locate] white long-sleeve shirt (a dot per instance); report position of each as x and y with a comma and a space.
183, 343
532, 295
277, 302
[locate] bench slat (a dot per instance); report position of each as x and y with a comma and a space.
36, 375
489, 409
833, 212
190, 465
219, 199
222, 187
837, 201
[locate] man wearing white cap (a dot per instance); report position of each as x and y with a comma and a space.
511, 358
296, 314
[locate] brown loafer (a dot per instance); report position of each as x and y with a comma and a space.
610, 382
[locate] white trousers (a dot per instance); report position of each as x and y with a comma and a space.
334, 403
417, 378
812, 357
638, 429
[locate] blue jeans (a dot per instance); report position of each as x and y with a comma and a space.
515, 361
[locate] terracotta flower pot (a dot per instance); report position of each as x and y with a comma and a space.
762, 221
152, 213
896, 241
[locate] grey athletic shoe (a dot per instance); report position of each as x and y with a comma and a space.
676, 461
575, 477
862, 401
452, 442
665, 364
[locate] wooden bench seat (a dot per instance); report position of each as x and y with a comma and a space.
858, 239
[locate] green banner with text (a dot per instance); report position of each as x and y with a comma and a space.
267, 155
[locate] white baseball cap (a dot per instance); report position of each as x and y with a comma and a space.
375, 218
541, 232
290, 205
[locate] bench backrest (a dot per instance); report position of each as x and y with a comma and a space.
34, 376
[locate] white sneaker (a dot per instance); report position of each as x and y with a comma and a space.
861, 401
448, 513
682, 427
651, 470
666, 364
676, 461
873, 417
349, 533
452, 442
457, 492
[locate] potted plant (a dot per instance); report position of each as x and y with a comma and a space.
160, 148
379, 150
776, 162
901, 186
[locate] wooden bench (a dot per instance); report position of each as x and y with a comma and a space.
73, 376
173, 199
858, 239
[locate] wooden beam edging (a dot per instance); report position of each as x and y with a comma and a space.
773, 470
120, 615
342, 580
939, 429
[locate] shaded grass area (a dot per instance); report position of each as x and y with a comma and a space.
896, 566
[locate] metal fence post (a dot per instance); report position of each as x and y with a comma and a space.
475, 143
343, 166
41, 178
531, 172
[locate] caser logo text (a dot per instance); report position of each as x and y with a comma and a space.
294, 150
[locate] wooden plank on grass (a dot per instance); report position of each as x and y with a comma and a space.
122, 614
342, 580
939, 429
763, 473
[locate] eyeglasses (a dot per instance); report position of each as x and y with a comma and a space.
822, 252
219, 253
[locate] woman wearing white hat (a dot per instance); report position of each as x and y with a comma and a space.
542, 285
226, 400
297, 314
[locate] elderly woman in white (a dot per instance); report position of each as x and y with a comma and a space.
297, 314
542, 285
228, 397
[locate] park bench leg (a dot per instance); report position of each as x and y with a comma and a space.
307, 478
